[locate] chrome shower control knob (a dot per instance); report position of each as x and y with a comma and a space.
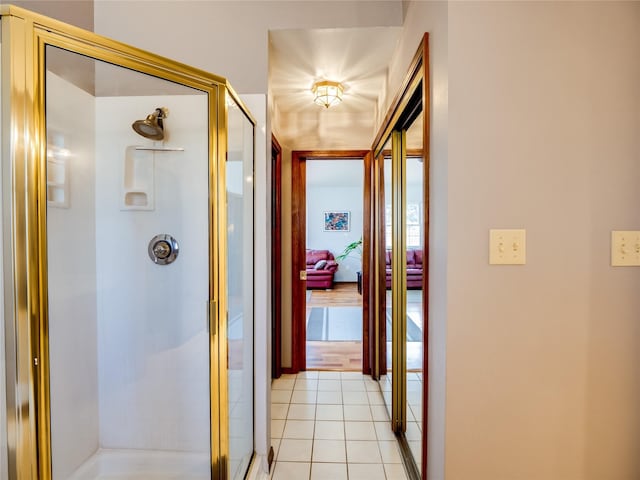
163, 249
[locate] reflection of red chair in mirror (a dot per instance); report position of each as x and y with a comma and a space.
414, 269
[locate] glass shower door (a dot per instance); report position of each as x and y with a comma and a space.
128, 273
239, 171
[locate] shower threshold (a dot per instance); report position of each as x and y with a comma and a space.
114, 464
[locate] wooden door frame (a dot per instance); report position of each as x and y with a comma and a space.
298, 256
276, 258
426, 146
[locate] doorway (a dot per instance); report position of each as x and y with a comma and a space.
333, 254
330, 315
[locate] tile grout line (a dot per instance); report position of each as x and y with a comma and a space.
344, 429
344, 420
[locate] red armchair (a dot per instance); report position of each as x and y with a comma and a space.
321, 267
414, 269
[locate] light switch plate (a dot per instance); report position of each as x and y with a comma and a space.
625, 248
507, 247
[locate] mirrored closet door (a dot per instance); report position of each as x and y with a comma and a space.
401, 252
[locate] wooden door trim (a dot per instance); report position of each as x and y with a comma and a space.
368, 317
426, 144
276, 257
298, 246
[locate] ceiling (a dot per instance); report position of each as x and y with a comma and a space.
356, 57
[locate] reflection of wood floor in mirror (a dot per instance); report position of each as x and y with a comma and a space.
414, 330
335, 355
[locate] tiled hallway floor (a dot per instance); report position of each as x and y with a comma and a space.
332, 426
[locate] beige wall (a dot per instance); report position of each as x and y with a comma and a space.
542, 370
75, 12
543, 377
230, 38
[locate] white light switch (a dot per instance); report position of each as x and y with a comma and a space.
625, 248
507, 247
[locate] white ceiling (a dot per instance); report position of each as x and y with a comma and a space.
356, 57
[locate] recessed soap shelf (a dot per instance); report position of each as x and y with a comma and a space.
139, 171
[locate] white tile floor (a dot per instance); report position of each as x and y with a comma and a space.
332, 426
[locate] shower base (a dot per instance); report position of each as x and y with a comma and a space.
109, 464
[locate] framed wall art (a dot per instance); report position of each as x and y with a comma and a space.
337, 221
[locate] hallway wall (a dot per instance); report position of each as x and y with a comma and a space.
75, 12
543, 135
229, 38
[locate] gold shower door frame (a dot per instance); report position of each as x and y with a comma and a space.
24, 38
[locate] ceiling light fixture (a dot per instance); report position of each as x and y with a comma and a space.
327, 93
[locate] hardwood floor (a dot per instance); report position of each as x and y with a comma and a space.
342, 295
342, 356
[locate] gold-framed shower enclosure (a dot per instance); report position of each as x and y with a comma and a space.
24, 36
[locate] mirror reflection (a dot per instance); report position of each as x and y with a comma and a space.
415, 255
386, 241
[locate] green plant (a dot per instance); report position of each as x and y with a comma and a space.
350, 249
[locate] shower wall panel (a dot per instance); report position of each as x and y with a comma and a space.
153, 343
72, 281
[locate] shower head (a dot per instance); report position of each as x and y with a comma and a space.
152, 126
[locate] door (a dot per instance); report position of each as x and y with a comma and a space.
402, 253
128, 272
401, 280
416, 271
239, 186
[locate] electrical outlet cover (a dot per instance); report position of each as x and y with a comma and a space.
507, 247
625, 248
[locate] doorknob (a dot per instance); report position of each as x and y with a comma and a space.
303, 274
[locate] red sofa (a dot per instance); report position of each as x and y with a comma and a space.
414, 269
321, 267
